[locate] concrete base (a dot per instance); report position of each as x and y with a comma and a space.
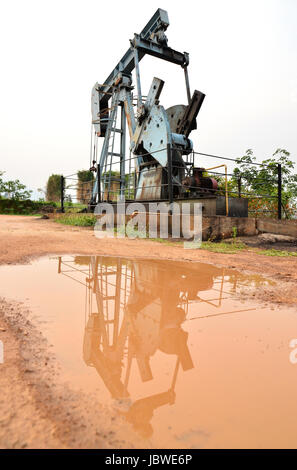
211, 205
213, 227
217, 227
237, 207
220, 227
278, 227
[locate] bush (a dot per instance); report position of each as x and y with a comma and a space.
25, 207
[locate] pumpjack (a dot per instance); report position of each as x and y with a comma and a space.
159, 138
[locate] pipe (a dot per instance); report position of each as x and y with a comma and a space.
139, 95
187, 84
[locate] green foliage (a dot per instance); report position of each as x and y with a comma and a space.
53, 188
85, 176
234, 233
229, 248
2, 186
73, 207
215, 247
111, 173
25, 207
273, 252
78, 220
13, 189
131, 231
16, 190
223, 247
263, 181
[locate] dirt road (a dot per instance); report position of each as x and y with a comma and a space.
24, 238
36, 413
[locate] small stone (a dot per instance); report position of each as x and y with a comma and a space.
274, 238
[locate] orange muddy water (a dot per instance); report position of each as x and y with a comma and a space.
172, 347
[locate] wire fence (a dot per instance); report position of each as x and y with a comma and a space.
141, 178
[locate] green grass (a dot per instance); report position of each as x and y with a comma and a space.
26, 214
89, 220
78, 220
130, 232
72, 207
167, 241
273, 252
216, 247
228, 248
223, 247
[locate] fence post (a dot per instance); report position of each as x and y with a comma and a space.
279, 192
169, 173
62, 193
135, 184
239, 186
99, 183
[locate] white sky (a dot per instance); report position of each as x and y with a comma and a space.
242, 56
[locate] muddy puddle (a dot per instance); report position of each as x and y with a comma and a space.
171, 347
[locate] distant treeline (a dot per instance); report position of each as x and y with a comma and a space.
25, 207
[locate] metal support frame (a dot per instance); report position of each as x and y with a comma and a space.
145, 45
169, 174
98, 183
138, 83
127, 100
123, 152
116, 91
187, 84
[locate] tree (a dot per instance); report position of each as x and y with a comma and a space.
1, 183
53, 188
13, 189
262, 180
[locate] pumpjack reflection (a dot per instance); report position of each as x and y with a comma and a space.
135, 309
